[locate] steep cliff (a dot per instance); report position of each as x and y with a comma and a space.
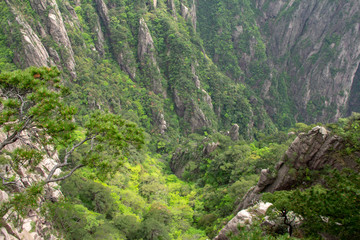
309, 152
316, 43
157, 48
300, 56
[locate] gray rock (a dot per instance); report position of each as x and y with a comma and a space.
311, 27
234, 132
189, 13
171, 5
207, 99
312, 150
196, 117
146, 54
210, 147
34, 52
242, 218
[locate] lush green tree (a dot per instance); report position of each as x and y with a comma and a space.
35, 114
332, 208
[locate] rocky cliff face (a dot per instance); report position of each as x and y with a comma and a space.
300, 56
313, 151
272, 46
319, 45
34, 225
33, 51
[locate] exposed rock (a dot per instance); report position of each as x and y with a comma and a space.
33, 226
189, 13
184, 11
234, 132
146, 44
313, 150
179, 104
196, 118
103, 11
124, 57
54, 55
33, 51
58, 32
146, 55
49, 11
73, 20
195, 77
171, 5
126, 61
100, 40
210, 147
324, 36
242, 218
207, 99
4, 197
160, 122
180, 160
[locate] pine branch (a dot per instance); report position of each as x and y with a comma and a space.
64, 177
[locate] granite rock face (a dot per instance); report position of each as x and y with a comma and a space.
324, 37
146, 55
242, 218
34, 225
313, 150
55, 27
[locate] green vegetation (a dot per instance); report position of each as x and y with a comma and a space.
117, 163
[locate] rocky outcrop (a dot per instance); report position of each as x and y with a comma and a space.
243, 218
234, 132
100, 39
189, 14
319, 42
124, 56
313, 150
126, 61
103, 11
196, 117
210, 147
179, 104
33, 226
146, 54
52, 18
207, 99
33, 52
171, 6
160, 122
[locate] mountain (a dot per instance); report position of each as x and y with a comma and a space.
215, 85
203, 64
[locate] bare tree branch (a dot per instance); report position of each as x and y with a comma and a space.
65, 162
13, 137
60, 165
6, 179
66, 176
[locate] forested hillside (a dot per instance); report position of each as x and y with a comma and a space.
203, 92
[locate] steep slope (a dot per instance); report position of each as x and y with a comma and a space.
302, 166
153, 42
300, 56
317, 44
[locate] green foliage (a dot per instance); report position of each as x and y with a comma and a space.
32, 99
328, 209
21, 203
349, 129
